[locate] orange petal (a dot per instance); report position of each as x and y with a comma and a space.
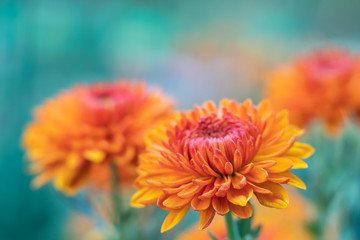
94, 155
221, 205
175, 190
175, 202
145, 196
257, 175
223, 186
203, 181
209, 191
282, 165
174, 217
42, 179
298, 163
278, 198
247, 168
259, 189
301, 150
278, 178
206, 217
160, 201
189, 191
294, 180
241, 212
200, 204
238, 160
239, 196
228, 168
264, 108
264, 163
276, 149
239, 181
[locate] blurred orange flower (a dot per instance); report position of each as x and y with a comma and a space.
76, 135
322, 85
214, 160
289, 223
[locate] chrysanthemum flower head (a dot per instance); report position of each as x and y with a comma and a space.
214, 160
321, 85
76, 135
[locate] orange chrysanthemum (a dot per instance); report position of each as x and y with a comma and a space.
214, 160
289, 223
322, 85
75, 136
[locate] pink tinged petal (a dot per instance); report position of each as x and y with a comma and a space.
218, 165
209, 170
196, 167
228, 168
238, 160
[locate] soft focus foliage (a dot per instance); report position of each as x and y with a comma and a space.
77, 135
215, 159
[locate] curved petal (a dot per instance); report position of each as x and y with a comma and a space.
300, 150
278, 198
206, 217
174, 218
221, 205
239, 196
175, 202
200, 204
241, 212
145, 196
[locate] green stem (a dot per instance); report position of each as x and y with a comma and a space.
233, 232
117, 200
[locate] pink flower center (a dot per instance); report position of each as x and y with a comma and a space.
215, 127
103, 97
328, 65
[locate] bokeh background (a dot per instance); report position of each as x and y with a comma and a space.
194, 50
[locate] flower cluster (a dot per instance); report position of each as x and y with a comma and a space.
322, 85
215, 159
75, 136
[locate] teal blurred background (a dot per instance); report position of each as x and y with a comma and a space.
194, 50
